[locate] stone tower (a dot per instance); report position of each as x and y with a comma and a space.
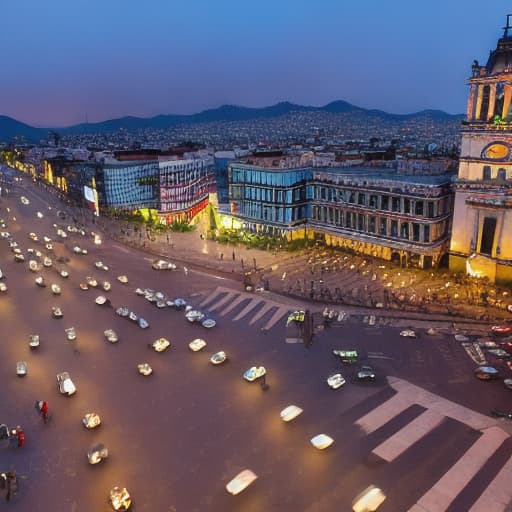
481, 243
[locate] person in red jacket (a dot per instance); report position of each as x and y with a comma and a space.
21, 437
44, 410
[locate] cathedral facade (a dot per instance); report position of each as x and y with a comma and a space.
481, 242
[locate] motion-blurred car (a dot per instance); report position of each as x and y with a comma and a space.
408, 333
21, 368
161, 264
369, 500
47, 262
56, 312
161, 344
91, 420
66, 385
122, 279
335, 380
347, 356
194, 315
321, 441
218, 357
120, 498
24, 200
290, 413
508, 383
255, 372
144, 369
501, 329
19, 257
209, 323
241, 482
3, 287
33, 341
78, 250
197, 345
486, 373
100, 265
91, 281
111, 335
97, 453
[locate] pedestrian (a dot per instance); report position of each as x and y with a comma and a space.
233, 255
21, 437
44, 410
221, 256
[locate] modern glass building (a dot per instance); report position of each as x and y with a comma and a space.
130, 185
406, 218
185, 185
270, 201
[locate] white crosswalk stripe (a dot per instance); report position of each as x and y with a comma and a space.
441, 495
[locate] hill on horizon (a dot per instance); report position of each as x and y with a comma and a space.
11, 128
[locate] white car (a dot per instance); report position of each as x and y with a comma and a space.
255, 372
197, 345
290, 413
408, 333
335, 380
47, 262
145, 369
122, 279
24, 200
91, 420
21, 368
111, 335
3, 287
161, 344
321, 441
56, 289
66, 385
163, 265
101, 265
369, 500
218, 357
209, 323
241, 482
64, 273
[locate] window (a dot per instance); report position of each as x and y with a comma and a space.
385, 203
395, 204
487, 172
383, 227
485, 102
361, 199
430, 209
502, 174
418, 208
407, 205
373, 201
352, 197
361, 223
488, 229
426, 233
371, 224
347, 220
416, 232
404, 230
394, 228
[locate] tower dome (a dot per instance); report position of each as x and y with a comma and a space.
500, 60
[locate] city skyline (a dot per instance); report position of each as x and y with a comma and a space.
74, 63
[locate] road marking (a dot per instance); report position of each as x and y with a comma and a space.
439, 497
249, 307
498, 495
122, 249
265, 309
410, 434
221, 302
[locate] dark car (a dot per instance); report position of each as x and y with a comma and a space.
366, 373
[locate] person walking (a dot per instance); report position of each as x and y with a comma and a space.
20, 434
44, 410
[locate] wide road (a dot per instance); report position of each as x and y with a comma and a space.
177, 437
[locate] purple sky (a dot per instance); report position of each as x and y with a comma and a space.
63, 61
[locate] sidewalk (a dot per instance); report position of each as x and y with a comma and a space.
319, 277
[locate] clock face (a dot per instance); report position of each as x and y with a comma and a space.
496, 151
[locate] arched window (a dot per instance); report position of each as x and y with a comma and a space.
485, 103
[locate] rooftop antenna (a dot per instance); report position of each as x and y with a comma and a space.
508, 26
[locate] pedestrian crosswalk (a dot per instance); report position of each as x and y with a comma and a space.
497, 496
245, 306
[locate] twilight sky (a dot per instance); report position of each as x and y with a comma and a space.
67, 60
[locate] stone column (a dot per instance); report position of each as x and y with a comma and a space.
471, 102
492, 102
479, 101
506, 100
